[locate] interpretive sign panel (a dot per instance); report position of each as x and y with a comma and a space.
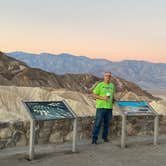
131, 108
50, 110
136, 108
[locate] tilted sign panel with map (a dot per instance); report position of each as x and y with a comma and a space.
49, 110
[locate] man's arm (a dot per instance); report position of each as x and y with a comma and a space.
114, 97
100, 97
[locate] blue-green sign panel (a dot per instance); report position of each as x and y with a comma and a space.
135, 108
49, 110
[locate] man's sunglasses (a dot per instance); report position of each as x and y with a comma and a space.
107, 75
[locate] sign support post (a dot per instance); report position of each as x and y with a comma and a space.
123, 137
156, 128
74, 135
136, 108
32, 140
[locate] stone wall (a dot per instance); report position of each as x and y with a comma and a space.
17, 133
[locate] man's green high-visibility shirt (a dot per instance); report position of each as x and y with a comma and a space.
103, 89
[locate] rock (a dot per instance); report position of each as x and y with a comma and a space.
69, 136
2, 144
23, 141
5, 133
56, 137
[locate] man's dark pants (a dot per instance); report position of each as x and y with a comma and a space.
105, 115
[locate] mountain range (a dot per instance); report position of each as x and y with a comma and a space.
146, 74
17, 73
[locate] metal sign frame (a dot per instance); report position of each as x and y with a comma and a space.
124, 125
32, 128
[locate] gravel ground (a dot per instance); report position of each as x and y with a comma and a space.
139, 151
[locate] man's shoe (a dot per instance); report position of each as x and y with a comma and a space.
94, 142
106, 140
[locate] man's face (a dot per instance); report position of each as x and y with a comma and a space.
107, 77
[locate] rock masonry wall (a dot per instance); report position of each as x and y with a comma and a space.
16, 133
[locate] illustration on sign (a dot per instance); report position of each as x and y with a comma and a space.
134, 107
49, 110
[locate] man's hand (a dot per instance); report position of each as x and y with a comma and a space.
101, 97
106, 98
113, 100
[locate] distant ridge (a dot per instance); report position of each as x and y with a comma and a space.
146, 74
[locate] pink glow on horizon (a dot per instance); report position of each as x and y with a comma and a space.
114, 57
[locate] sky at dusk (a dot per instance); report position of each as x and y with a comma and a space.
111, 29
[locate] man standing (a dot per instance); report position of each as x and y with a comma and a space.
103, 93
